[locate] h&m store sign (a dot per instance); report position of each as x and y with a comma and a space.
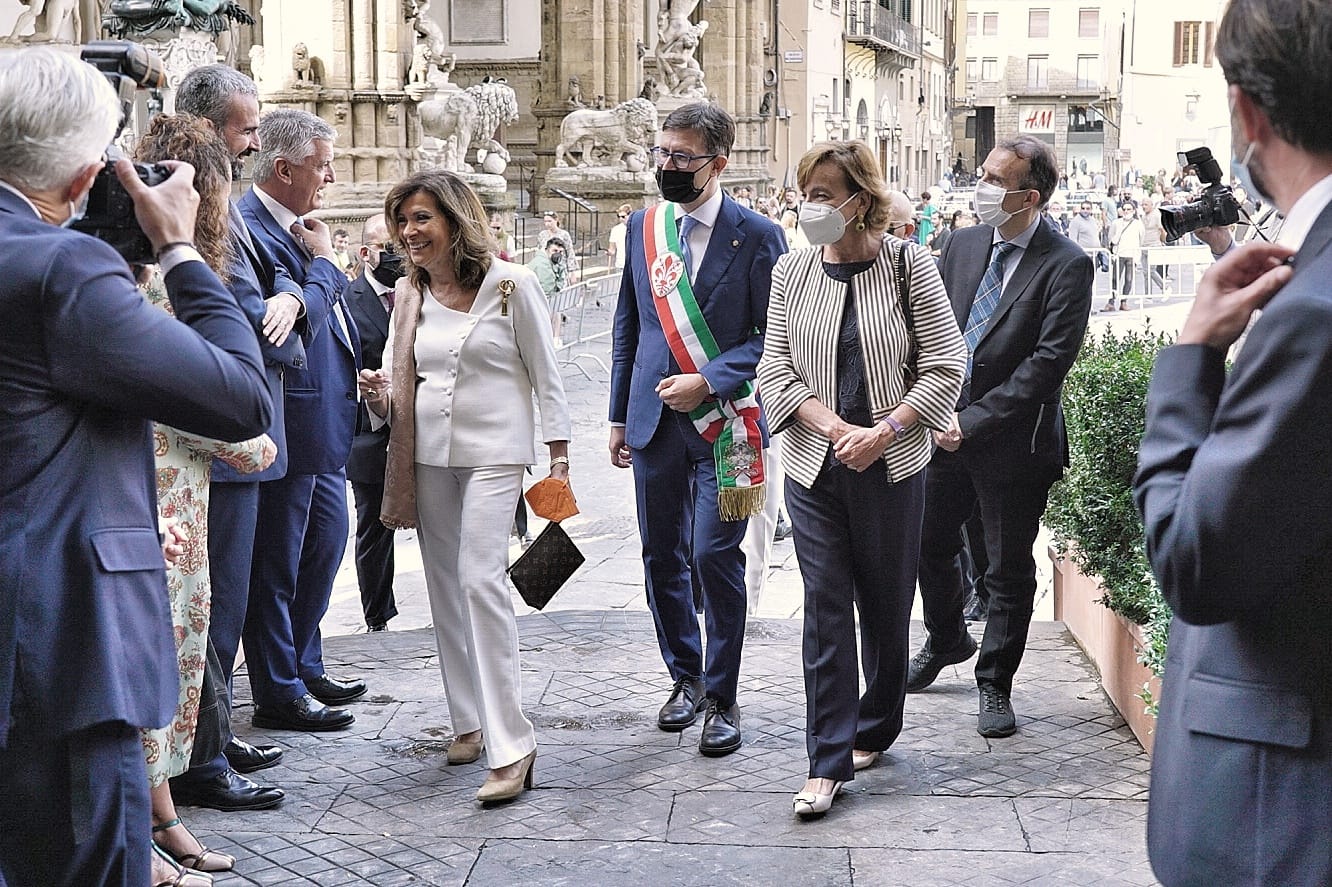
1036, 119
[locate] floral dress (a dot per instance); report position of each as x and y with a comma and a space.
183, 472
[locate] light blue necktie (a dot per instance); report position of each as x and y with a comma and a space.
686, 227
987, 299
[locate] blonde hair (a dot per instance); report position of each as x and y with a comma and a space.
859, 169
473, 246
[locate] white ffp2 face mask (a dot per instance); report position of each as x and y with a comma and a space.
989, 204
823, 224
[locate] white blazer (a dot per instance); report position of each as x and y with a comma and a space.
800, 354
476, 373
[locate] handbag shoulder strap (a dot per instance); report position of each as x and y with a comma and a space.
903, 283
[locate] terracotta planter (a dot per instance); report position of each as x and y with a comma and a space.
1110, 641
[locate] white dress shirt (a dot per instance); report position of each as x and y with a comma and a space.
701, 234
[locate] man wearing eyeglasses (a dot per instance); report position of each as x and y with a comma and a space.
706, 281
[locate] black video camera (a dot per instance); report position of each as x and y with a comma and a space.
110, 213
1215, 206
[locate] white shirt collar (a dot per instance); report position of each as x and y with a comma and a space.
707, 213
1304, 213
379, 288
1023, 240
31, 205
283, 216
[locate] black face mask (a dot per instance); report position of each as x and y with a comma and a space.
677, 185
389, 268
556, 258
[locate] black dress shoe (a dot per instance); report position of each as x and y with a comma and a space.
377, 626
925, 666
227, 791
683, 706
995, 719
335, 691
303, 713
721, 730
246, 758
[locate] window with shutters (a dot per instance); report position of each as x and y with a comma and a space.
1038, 72
973, 23
1089, 22
972, 70
1088, 77
478, 21
989, 69
1188, 37
1209, 39
990, 24
1038, 23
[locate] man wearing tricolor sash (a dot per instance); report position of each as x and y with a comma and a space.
685, 413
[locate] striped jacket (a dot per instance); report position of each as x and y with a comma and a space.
800, 354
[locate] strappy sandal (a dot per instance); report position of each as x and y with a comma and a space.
204, 861
180, 876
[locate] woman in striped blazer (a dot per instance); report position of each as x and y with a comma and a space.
857, 378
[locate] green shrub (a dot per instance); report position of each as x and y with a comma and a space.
1091, 511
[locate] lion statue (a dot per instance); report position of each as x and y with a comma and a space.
465, 121
609, 137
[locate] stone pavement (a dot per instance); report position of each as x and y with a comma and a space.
619, 802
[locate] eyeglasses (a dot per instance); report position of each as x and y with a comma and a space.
677, 159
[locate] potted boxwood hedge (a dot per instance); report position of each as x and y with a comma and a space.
1094, 521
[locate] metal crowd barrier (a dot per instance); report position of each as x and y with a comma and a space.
1197, 257
573, 302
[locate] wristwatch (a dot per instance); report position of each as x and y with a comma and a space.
898, 428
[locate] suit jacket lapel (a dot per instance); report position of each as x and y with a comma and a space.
974, 262
728, 236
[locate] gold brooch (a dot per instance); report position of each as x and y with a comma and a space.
506, 288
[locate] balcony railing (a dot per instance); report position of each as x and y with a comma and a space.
869, 23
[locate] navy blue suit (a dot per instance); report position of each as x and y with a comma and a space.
366, 465
674, 468
302, 527
86, 649
233, 504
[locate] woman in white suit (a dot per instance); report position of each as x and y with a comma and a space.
469, 344
857, 374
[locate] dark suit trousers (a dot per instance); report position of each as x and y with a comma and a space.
675, 465
233, 509
1011, 506
374, 555
321, 556
75, 808
857, 539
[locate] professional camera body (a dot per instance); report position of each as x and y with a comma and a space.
1215, 206
110, 212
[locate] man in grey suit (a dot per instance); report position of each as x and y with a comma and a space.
1021, 293
1234, 481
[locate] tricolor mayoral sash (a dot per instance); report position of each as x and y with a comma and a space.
731, 426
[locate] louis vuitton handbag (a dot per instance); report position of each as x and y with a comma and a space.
546, 565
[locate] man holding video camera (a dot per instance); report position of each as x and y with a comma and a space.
86, 650
1234, 481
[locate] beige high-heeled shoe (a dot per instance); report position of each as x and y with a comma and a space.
810, 804
506, 788
862, 759
465, 751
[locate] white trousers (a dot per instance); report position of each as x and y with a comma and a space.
757, 544
464, 516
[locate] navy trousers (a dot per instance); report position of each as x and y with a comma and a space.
374, 555
300, 538
1011, 505
233, 509
857, 540
675, 467
75, 808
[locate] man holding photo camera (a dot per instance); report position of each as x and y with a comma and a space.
86, 650
1235, 476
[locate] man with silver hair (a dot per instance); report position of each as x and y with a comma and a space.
275, 305
302, 516
86, 652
